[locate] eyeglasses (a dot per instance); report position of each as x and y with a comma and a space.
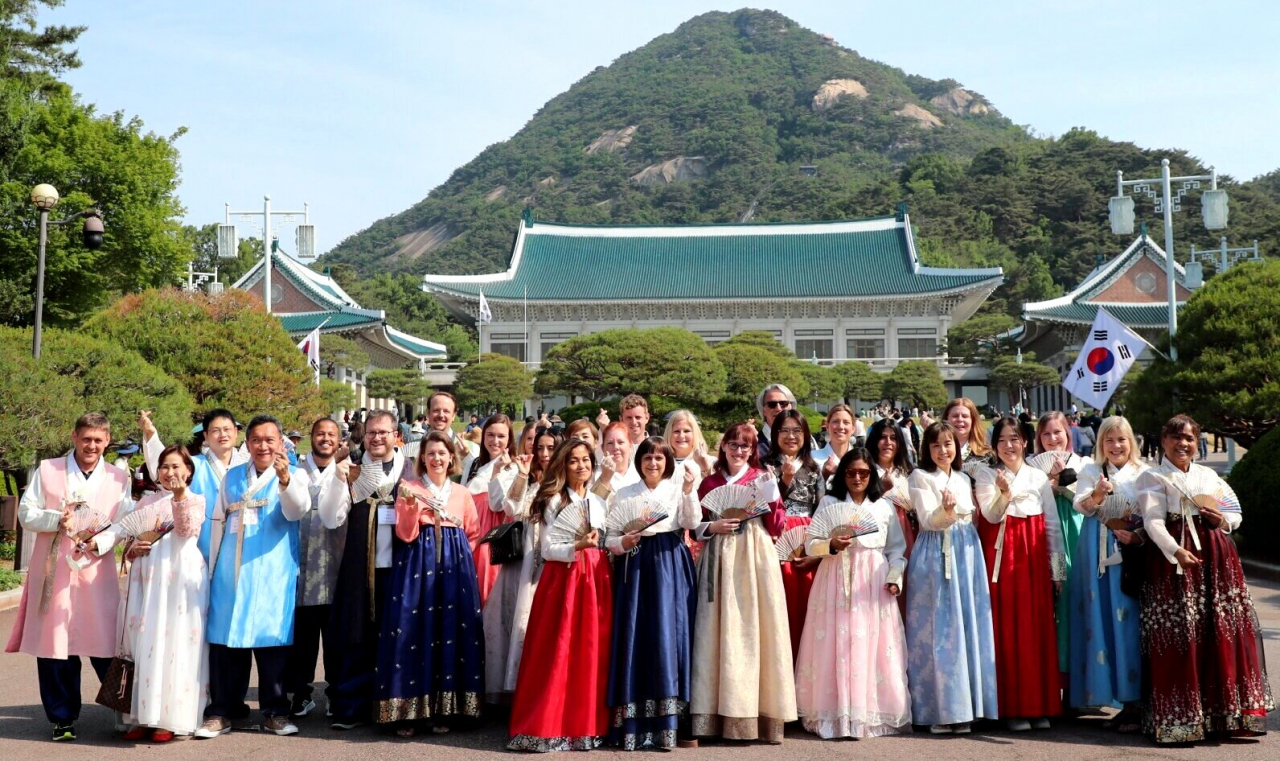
861, 474
777, 404
377, 434
789, 431
737, 446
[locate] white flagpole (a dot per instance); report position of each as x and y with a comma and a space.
526, 323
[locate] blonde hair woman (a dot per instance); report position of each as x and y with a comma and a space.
1104, 653
971, 435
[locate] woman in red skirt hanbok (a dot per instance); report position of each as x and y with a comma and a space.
560, 694
1022, 544
1201, 640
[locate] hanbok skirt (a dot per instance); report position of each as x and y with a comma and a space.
951, 658
1072, 523
506, 619
743, 680
1027, 678
1202, 644
560, 695
907, 522
163, 615
486, 574
851, 674
1106, 657
431, 646
650, 672
796, 584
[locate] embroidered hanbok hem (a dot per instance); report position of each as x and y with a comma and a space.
1202, 644
650, 669
951, 660
1072, 522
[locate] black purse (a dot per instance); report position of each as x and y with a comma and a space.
116, 691
506, 543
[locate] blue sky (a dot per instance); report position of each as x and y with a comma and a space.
361, 109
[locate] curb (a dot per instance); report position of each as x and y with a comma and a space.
1268, 571
11, 598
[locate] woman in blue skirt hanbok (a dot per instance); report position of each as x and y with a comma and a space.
951, 659
653, 601
1106, 658
431, 647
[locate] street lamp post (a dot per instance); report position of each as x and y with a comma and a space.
227, 242
45, 196
1213, 204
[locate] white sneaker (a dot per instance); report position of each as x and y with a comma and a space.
1018, 725
212, 727
940, 729
280, 725
961, 729
1040, 723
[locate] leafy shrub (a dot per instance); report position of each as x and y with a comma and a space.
1256, 480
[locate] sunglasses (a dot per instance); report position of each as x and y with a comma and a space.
778, 404
858, 473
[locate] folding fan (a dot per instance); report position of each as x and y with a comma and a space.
791, 545
148, 523
86, 523
843, 519
572, 523
733, 501
636, 514
1045, 461
1222, 497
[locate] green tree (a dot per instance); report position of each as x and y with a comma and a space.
859, 382
341, 352
669, 362
405, 386
918, 383
107, 162
337, 395
29, 54
825, 383
982, 337
204, 246
492, 383
1227, 376
77, 374
1256, 480
762, 339
1013, 377
225, 349
411, 309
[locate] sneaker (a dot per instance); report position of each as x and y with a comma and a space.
63, 732
1018, 725
347, 723
280, 725
961, 729
1040, 723
302, 706
212, 727
940, 729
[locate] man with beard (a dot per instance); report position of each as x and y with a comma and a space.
321, 537
363, 573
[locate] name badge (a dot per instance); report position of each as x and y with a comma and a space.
387, 515
233, 525
250, 516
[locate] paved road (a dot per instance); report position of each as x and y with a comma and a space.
23, 732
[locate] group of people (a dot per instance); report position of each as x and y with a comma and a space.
609, 586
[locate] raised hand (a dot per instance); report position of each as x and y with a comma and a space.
343, 453
1002, 482
1101, 490
789, 469
689, 478
281, 465
829, 467
523, 462
179, 488
148, 427
948, 501
602, 419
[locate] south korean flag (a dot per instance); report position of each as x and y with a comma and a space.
1110, 350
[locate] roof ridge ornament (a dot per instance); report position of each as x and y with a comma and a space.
902, 211
527, 216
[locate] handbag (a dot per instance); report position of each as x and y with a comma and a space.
506, 543
116, 691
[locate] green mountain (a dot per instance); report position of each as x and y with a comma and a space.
749, 116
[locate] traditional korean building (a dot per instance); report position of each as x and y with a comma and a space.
1131, 286
304, 299
831, 291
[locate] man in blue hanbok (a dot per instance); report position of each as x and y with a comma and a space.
254, 582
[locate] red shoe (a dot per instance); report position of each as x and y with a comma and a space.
161, 736
135, 734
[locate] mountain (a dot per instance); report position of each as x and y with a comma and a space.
749, 116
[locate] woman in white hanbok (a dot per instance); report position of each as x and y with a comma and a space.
162, 615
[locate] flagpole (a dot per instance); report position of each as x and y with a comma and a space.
317, 367
526, 323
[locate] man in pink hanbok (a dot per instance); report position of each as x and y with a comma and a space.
71, 597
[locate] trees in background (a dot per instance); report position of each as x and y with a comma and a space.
494, 382
917, 383
670, 362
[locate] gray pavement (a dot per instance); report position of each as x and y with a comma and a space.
24, 731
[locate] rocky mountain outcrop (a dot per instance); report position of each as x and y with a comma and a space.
960, 102
833, 90
612, 140
678, 169
421, 242
924, 118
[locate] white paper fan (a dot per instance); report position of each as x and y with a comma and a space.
148, 523
636, 514
844, 519
1045, 461
86, 522
732, 501
572, 523
790, 545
